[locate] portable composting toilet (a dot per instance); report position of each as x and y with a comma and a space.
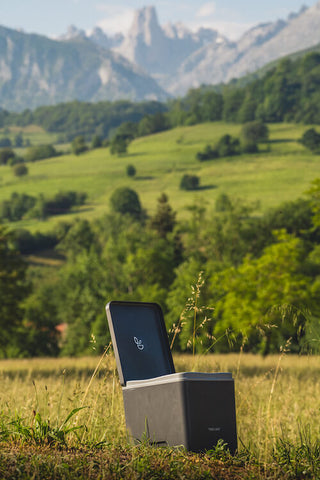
191, 409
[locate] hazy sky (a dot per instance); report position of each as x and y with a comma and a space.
230, 17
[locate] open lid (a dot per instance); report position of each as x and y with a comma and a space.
140, 340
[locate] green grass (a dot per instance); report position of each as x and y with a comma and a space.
34, 133
43, 435
281, 172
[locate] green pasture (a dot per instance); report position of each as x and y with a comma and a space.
281, 171
34, 133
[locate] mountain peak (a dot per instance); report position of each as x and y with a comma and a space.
146, 25
297, 14
73, 32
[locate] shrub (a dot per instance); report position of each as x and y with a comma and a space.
149, 124
254, 132
119, 144
164, 220
125, 200
18, 140
228, 146
131, 171
311, 140
62, 202
18, 205
208, 153
20, 169
96, 142
189, 182
14, 160
128, 129
78, 145
249, 148
5, 155
223, 203
5, 142
21, 205
40, 152
27, 242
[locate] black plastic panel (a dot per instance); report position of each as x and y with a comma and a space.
140, 340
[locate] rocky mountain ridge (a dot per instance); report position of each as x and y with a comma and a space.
150, 62
256, 48
36, 70
179, 59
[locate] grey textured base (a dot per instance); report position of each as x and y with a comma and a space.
194, 410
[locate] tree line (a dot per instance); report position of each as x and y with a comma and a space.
77, 118
223, 276
21, 205
289, 91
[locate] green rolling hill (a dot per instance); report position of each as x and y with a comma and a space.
281, 171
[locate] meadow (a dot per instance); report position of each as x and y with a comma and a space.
64, 418
281, 171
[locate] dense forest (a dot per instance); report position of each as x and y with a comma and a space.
81, 118
225, 278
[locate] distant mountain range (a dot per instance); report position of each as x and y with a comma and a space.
150, 62
36, 70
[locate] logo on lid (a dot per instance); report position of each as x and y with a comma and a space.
214, 429
139, 343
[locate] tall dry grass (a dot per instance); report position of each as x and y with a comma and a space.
277, 397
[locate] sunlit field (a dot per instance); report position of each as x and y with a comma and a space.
277, 402
281, 171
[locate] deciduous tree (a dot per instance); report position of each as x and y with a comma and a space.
14, 288
252, 299
126, 201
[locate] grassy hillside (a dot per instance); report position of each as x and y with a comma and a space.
34, 133
282, 171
